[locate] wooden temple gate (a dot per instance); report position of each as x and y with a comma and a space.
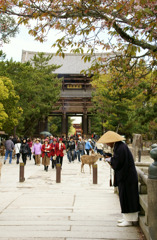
75, 100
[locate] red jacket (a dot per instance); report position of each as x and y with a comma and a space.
59, 152
53, 152
44, 150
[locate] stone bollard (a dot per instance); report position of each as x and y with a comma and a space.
152, 194
95, 171
21, 175
58, 173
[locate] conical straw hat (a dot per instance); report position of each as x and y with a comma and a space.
110, 137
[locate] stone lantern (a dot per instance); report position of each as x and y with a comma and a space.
152, 171
152, 194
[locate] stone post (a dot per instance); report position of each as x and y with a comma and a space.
58, 173
21, 174
152, 194
137, 146
95, 175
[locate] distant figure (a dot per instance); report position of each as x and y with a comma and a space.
24, 150
88, 146
30, 143
36, 150
71, 149
53, 153
46, 154
17, 150
59, 150
9, 146
100, 147
80, 148
51, 139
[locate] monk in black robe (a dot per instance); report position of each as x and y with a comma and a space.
125, 177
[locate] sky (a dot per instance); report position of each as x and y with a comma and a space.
24, 41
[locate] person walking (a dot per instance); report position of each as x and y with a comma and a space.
80, 148
46, 153
24, 149
9, 146
30, 143
17, 150
53, 153
125, 177
71, 150
88, 146
59, 150
36, 150
51, 139
99, 148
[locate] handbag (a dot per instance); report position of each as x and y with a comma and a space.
54, 157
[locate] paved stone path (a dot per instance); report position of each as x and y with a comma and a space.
74, 209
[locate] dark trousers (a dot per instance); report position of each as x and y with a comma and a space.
59, 160
53, 163
100, 151
87, 150
71, 155
18, 157
80, 153
24, 158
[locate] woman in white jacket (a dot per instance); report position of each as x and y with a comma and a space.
17, 150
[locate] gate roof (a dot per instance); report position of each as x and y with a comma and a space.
71, 63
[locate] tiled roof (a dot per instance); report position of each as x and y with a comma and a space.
71, 63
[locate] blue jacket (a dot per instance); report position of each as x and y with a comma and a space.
88, 145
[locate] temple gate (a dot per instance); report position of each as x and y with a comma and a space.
76, 92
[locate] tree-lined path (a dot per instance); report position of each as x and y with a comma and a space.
40, 208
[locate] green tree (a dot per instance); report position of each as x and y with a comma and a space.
145, 114
10, 112
3, 96
97, 124
55, 123
119, 97
38, 88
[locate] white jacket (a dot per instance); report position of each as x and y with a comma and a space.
17, 148
100, 146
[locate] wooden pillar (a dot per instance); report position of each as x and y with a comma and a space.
46, 123
89, 125
85, 119
43, 124
64, 124
85, 124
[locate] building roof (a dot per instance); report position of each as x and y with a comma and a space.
71, 63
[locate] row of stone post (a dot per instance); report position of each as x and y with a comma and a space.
58, 173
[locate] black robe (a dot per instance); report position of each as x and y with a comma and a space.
125, 177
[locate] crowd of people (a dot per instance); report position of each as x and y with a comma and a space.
53, 149
49, 150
